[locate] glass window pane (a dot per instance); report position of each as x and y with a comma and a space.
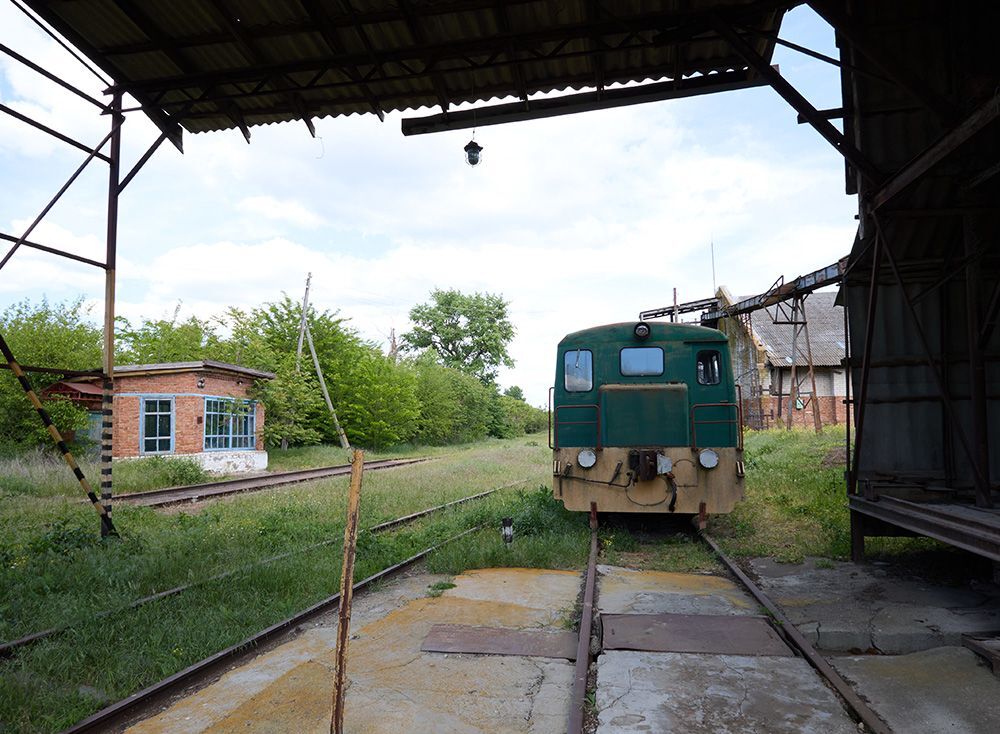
709, 370
164, 406
149, 444
164, 426
579, 369
149, 429
642, 361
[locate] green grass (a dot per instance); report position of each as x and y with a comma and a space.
43, 473
55, 570
796, 503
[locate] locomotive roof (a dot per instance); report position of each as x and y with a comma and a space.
659, 331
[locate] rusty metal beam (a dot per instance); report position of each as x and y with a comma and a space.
574, 103
873, 49
52, 202
985, 115
801, 105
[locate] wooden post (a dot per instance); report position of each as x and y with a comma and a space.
326, 394
346, 592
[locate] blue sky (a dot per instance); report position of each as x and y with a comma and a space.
577, 221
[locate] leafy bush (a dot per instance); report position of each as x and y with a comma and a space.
158, 471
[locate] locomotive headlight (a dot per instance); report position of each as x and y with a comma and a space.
641, 331
586, 458
708, 459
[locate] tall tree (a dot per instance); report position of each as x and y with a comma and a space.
468, 332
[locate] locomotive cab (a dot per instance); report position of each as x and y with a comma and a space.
646, 418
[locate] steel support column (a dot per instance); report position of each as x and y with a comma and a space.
107, 402
977, 368
866, 365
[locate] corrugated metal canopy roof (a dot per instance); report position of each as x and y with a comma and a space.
220, 64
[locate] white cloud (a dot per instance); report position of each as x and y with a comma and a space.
280, 210
579, 220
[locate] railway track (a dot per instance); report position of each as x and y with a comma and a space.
784, 627
9, 648
209, 490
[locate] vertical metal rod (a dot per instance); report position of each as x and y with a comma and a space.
848, 376
817, 418
107, 399
346, 592
793, 386
977, 370
54, 199
866, 365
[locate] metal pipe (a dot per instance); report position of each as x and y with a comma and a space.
50, 131
54, 199
52, 250
977, 370
111, 254
866, 364
51, 77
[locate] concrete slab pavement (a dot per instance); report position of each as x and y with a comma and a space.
859, 608
655, 693
945, 690
393, 686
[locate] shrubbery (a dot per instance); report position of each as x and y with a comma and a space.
380, 401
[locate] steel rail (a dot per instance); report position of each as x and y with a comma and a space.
194, 492
117, 713
7, 648
578, 697
790, 633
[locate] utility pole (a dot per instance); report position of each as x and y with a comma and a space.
393, 346
302, 323
344, 443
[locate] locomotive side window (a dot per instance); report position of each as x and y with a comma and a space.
637, 361
579, 370
709, 372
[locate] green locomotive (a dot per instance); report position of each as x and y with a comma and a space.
646, 417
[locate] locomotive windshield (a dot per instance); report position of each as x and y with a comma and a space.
579, 370
637, 361
708, 368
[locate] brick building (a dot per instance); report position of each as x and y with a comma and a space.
198, 410
762, 354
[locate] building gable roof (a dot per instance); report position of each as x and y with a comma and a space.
826, 332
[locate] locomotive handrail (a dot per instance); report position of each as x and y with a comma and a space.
554, 422
735, 421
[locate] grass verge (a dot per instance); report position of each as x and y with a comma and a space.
55, 570
796, 505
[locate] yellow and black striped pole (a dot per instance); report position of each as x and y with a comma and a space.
107, 527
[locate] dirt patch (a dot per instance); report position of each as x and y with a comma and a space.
835, 457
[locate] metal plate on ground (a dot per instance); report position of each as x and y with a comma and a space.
462, 638
716, 634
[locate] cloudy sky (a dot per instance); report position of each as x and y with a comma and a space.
577, 221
